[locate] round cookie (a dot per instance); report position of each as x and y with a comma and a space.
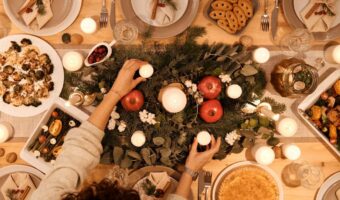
241, 17
221, 5
232, 20
246, 7
225, 26
217, 14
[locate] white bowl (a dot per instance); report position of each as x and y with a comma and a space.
109, 52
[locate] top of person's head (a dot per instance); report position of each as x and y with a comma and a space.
105, 190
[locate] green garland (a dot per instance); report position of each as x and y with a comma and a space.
168, 142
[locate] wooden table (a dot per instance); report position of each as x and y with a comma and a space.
313, 150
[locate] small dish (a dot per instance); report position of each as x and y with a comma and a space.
106, 45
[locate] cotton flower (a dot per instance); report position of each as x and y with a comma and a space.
122, 126
231, 137
114, 114
188, 83
194, 87
225, 78
147, 117
103, 90
111, 125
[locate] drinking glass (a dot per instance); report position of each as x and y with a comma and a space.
125, 31
297, 42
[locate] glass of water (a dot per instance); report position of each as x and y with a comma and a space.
297, 42
125, 31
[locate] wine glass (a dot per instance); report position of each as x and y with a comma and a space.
125, 31
297, 42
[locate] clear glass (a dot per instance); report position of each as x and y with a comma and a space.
297, 42
125, 31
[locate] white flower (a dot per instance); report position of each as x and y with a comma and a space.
103, 90
122, 126
72, 123
194, 87
199, 100
147, 117
231, 137
188, 83
45, 128
114, 114
111, 125
225, 78
53, 141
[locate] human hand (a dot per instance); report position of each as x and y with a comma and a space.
196, 160
124, 82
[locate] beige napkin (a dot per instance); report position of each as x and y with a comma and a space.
164, 15
318, 23
18, 181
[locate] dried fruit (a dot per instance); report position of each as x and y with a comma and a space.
11, 157
42, 139
55, 127
76, 38
277, 151
66, 38
55, 114
316, 112
56, 151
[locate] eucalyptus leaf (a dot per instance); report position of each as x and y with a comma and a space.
134, 155
126, 162
249, 70
158, 141
145, 152
165, 152
117, 154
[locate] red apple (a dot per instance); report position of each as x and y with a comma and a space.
210, 87
133, 101
211, 111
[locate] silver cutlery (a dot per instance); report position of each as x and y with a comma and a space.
207, 183
103, 15
274, 18
265, 17
113, 14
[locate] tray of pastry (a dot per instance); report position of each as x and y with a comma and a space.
232, 16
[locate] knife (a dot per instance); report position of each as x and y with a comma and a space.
274, 18
113, 14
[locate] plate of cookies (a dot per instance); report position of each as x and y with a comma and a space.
231, 15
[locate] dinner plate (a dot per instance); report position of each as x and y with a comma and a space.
141, 7
57, 77
35, 174
139, 187
162, 32
290, 8
223, 173
329, 187
64, 14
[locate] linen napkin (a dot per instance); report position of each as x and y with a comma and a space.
165, 14
18, 181
318, 23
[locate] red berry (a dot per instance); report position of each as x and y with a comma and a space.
42, 139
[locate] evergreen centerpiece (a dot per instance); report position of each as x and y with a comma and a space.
205, 72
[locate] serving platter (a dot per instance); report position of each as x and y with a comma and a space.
329, 187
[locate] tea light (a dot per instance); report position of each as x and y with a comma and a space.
6, 131
73, 61
263, 154
146, 71
138, 138
332, 54
174, 99
203, 138
234, 91
287, 127
261, 55
291, 151
76, 98
88, 25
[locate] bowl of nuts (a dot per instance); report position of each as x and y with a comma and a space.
99, 53
44, 145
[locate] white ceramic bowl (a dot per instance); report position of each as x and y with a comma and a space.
109, 52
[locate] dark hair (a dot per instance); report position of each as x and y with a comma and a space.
105, 190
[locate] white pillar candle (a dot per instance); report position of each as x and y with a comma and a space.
73, 61
234, 91
332, 54
6, 131
88, 25
138, 138
263, 154
287, 127
146, 71
203, 138
261, 55
291, 151
174, 99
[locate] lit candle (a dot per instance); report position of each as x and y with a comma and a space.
203, 138
73, 61
88, 25
261, 55
138, 138
332, 54
173, 99
291, 151
287, 127
263, 154
6, 131
146, 71
234, 91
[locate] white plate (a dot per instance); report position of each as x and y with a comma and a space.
312, 98
64, 11
140, 8
299, 5
326, 185
241, 164
57, 77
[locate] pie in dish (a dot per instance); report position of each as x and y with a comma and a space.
248, 183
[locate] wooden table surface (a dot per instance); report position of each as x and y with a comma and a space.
313, 150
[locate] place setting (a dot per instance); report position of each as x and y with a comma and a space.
212, 72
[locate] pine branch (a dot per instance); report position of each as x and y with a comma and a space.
278, 108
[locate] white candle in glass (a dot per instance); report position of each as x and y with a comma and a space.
203, 138
287, 127
234, 91
263, 154
73, 61
332, 54
261, 55
146, 71
88, 25
291, 151
174, 99
6, 131
138, 138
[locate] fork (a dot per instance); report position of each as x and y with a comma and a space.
207, 183
265, 17
103, 15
